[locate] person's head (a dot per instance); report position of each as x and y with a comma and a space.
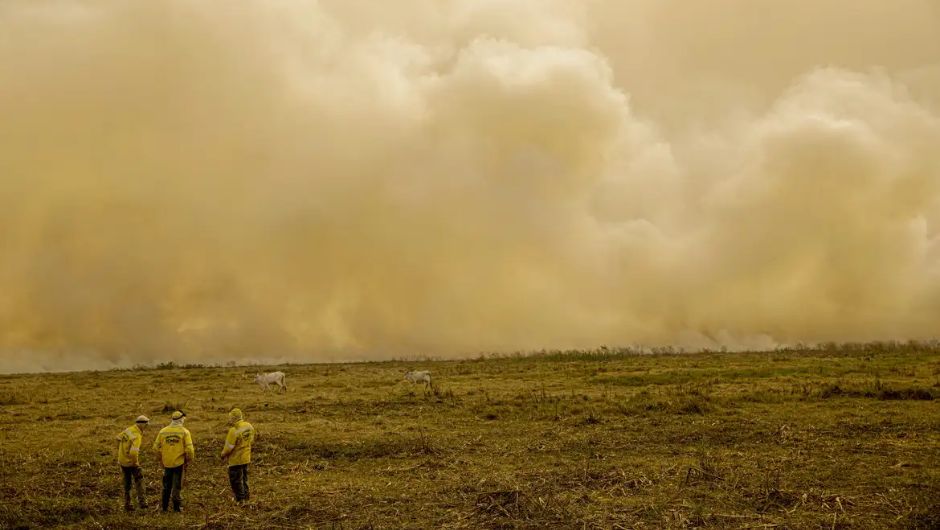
142, 422
235, 416
178, 417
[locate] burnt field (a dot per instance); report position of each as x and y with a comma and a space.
840, 437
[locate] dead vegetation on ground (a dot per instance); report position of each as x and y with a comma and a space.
833, 437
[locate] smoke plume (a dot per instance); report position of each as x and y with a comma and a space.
351, 179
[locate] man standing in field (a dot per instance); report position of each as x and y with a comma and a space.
129, 458
237, 451
175, 446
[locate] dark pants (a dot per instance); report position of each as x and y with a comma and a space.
172, 486
133, 473
238, 478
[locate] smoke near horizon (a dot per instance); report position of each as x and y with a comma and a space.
349, 179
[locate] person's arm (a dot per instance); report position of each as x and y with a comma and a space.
134, 451
157, 444
230, 441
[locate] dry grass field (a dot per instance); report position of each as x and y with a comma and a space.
839, 437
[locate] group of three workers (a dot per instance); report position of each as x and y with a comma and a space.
174, 444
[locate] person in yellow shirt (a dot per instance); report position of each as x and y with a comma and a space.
174, 444
237, 452
129, 458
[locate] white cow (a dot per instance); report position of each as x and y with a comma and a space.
277, 378
419, 377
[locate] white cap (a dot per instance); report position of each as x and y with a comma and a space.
142, 419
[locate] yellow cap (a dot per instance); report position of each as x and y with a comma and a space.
177, 415
142, 419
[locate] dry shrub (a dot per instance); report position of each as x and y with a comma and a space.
13, 398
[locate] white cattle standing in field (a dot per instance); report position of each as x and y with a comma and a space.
419, 377
277, 378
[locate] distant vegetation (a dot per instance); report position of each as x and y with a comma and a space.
832, 436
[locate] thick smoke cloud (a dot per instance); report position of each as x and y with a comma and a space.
350, 179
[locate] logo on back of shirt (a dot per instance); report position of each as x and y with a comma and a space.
172, 439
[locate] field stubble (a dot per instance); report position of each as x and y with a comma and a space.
827, 438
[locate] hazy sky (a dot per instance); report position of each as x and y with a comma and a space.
359, 179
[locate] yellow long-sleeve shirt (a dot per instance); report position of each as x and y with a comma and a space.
129, 446
175, 445
238, 443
